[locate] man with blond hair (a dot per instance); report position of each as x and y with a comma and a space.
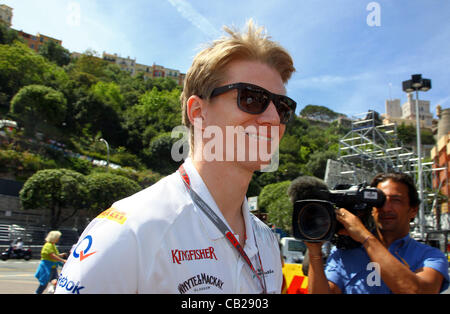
192, 232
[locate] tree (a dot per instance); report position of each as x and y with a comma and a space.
55, 53
159, 154
407, 135
57, 190
157, 112
89, 62
106, 188
109, 93
37, 105
275, 201
319, 113
97, 117
8, 35
317, 164
19, 66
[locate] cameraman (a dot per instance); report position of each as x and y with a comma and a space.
388, 260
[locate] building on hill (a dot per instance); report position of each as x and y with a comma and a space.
406, 113
126, 64
32, 41
148, 71
6, 15
35, 42
440, 155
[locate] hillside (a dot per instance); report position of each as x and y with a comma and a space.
64, 106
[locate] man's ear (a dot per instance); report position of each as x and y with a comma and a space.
196, 110
413, 212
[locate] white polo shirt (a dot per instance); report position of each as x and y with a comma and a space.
158, 241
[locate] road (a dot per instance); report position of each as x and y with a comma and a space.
17, 277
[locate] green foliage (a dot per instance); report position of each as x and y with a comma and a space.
156, 112
319, 113
109, 93
275, 202
8, 35
160, 154
20, 66
35, 105
63, 192
22, 164
55, 53
57, 190
407, 134
317, 163
106, 188
126, 159
91, 64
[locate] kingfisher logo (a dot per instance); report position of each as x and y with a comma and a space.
82, 250
179, 256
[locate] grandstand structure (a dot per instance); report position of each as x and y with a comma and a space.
371, 147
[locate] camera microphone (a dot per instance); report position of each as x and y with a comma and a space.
312, 220
307, 187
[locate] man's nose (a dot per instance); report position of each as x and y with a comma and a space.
270, 115
387, 206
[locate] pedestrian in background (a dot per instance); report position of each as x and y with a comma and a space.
50, 258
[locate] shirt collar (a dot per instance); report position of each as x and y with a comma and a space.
214, 233
399, 243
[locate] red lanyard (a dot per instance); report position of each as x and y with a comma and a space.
222, 227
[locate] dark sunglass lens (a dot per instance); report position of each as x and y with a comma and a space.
253, 101
284, 111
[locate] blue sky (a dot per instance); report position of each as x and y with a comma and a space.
342, 62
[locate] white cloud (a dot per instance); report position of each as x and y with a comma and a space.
188, 12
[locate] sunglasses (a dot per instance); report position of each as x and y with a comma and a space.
255, 100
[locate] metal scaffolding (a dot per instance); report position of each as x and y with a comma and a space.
371, 147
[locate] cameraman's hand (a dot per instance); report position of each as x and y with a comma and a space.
314, 248
352, 224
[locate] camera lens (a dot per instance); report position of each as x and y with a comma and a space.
314, 221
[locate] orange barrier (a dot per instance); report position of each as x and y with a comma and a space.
294, 281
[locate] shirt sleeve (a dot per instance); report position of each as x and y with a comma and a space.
333, 269
436, 259
105, 260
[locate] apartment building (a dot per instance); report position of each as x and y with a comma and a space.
6, 15
35, 42
148, 71
440, 155
126, 64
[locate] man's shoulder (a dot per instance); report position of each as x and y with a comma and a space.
166, 194
262, 229
426, 250
162, 202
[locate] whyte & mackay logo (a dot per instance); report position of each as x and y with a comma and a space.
200, 283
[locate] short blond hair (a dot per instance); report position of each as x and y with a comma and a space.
53, 236
209, 66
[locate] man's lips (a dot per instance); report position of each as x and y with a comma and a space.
387, 218
258, 137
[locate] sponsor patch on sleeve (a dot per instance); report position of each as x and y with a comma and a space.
114, 215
